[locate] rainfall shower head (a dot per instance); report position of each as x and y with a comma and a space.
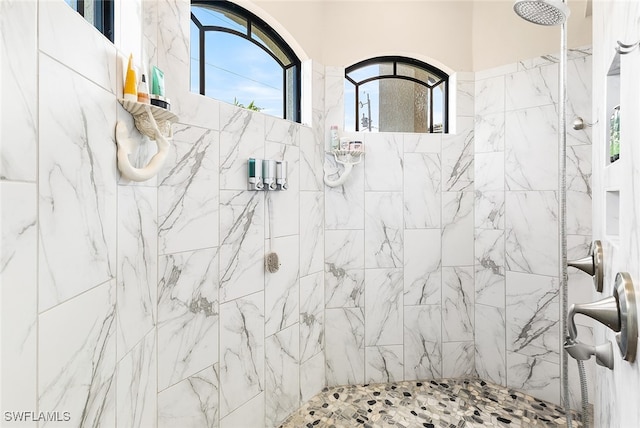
542, 12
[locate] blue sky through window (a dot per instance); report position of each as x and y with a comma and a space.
235, 68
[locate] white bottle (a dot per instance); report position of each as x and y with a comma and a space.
335, 140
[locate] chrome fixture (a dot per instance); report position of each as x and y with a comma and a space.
625, 48
628, 337
281, 175
592, 265
604, 311
542, 12
617, 312
556, 12
579, 123
582, 352
269, 174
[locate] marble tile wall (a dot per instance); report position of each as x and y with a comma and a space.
399, 252
147, 304
517, 300
612, 22
437, 245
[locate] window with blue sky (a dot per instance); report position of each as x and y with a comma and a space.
238, 58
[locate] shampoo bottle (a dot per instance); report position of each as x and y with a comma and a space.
143, 91
130, 82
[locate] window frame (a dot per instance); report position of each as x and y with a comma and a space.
103, 18
395, 60
252, 21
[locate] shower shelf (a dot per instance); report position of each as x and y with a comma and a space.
348, 158
152, 121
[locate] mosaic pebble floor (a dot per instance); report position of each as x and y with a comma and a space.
444, 403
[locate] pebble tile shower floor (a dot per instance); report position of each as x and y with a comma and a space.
444, 403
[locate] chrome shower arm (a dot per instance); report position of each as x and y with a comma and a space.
604, 311
592, 265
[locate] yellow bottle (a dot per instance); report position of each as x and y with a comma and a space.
131, 82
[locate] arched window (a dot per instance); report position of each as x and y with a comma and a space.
238, 58
396, 94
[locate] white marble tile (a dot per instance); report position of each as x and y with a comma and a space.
282, 288
489, 210
579, 169
19, 307
422, 267
137, 385
383, 162
311, 161
344, 348
282, 375
422, 181
281, 131
490, 337
459, 361
306, 90
457, 228
457, 157
422, 342
242, 351
532, 309
285, 203
311, 232
174, 59
489, 94
77, 186
531, 149
422, 143
77, 369
579, 218
188, 315
311, 316
127, 32
383, 230
489, 268
312, 377
191, 403
384, 364
344, 205
19, 79
465, 98
383, 309
489, 133
334, 96
531, 232
137, 277
187, 192
534, 377
457, 303
63, 42
241, 244
251, 414
318, 86
241, 137
579, 98
344, 268
532, 88
489, 171
579, 190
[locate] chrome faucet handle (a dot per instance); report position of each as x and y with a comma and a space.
624, 293
582, 351
593, 265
